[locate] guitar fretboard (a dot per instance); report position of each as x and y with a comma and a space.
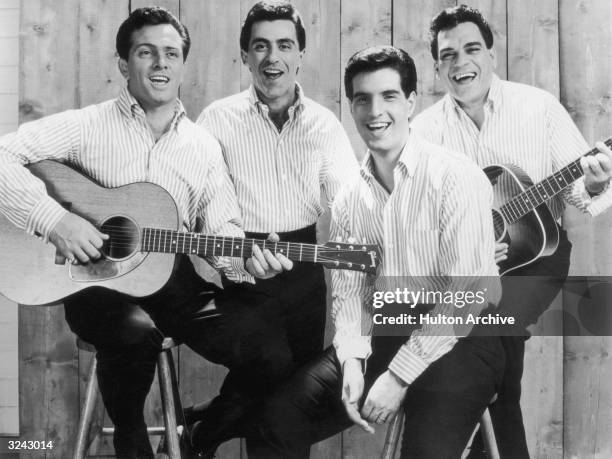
537, 194
169, 241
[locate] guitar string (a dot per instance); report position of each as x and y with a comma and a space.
124, 242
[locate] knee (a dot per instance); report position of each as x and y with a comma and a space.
135, 339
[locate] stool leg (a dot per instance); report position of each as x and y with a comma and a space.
394, 432
169, 409
91, 395
488, 435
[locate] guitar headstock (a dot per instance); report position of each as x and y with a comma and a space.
356, 257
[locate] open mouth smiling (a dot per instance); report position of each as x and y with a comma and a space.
378, 126
272, 74
464, 77
159, 80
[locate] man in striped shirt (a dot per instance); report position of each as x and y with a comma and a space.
143, 135
428, 208
495, 122
287, 157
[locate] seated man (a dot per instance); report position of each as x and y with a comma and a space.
429, 209
143, 135
492, 121
287, 156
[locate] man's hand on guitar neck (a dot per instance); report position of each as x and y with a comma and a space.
77, 239
265, 265
597, 169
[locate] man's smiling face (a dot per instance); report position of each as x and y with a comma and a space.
381, 110
465, 65
274, 59
155, 66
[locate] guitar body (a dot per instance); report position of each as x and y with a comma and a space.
31, 275
530, 237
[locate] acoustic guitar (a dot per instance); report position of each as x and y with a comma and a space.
142, 221
521, 216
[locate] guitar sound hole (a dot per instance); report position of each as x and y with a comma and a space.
124, 238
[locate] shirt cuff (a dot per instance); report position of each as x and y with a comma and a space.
234, 270
347, 347
599, 203
44, 216
407, 365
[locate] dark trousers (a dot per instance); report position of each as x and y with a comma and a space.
526, 293
442, 405
128, 334
290, 309
248, 337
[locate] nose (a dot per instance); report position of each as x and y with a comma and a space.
460, 59
376, 107
273, 55
160, 61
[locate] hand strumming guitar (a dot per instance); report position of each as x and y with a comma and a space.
77, 239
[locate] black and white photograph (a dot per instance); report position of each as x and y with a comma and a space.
292, 229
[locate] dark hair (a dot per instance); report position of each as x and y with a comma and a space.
452, 17
381, 57
151, 15
272, 11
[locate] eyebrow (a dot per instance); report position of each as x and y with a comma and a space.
471, 43
151, 45
265, 40
360, 94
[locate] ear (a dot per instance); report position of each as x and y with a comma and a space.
123, 67
436, 70
412, 102
297, 70
244, 57
493, 57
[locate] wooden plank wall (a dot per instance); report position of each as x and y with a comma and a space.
586, 87
9, 95
68, 61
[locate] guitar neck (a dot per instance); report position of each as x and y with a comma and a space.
169, 241
539, 193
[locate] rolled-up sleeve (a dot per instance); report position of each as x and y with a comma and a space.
23, 197
219, 213
467, 247
351, 313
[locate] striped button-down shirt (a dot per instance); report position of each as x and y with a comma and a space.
524, 126
436, 224
284, 180
112, 143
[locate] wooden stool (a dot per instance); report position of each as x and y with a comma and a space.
171, 402
394, 432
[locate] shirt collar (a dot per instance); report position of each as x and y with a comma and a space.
130, 108
494, 101
406, 163
298, 105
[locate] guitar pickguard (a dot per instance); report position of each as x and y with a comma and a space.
105, 269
